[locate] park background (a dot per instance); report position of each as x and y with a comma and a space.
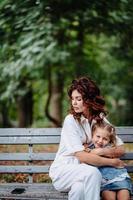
45, 44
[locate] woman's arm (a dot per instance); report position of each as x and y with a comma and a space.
110, 152
96, 160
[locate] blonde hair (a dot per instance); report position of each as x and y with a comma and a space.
109, 128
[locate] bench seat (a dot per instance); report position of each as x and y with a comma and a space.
32, 191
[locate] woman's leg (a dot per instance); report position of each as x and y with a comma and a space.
123, 195
92, 183
109, 195
81, 181
77, 191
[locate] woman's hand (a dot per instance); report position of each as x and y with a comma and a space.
118, 163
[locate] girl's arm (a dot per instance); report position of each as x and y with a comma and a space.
96, 160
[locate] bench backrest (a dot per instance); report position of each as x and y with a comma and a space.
41, 136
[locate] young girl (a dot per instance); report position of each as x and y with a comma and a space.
115, 181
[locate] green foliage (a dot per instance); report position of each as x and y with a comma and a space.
83, 38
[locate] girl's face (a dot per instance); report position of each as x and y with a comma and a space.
77, 102
100, 138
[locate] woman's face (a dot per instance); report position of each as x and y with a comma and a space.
77, 102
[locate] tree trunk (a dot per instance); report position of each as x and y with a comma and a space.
4, 116
53, 107
129, 107
25, 109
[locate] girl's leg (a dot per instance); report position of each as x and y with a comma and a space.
123, 195
109, 195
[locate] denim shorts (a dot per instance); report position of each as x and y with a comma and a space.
118, 185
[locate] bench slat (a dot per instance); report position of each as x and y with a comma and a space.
30, 140
30, 132
41, 156
46, 139
126, 138
124, 130
26, 156
130, 169
127, 156
50, 131
34, 169
24, 169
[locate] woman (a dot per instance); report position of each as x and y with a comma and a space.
74, 169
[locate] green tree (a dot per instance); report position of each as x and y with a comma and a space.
54, 41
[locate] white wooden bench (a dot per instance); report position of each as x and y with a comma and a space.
32, 137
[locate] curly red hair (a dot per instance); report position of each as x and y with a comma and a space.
91, 97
